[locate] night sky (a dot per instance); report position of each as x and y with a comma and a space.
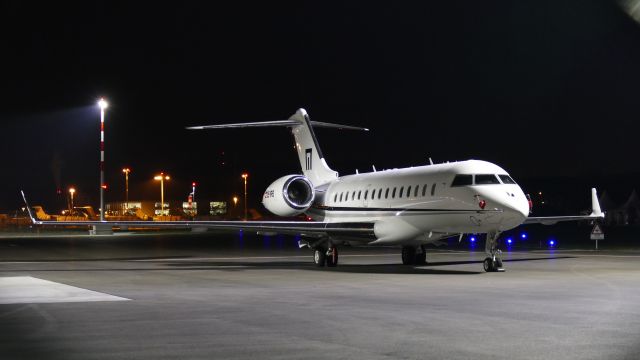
545, 89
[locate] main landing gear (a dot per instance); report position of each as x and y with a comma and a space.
326, 255
412, 255
493, 262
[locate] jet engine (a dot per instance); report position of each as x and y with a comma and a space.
290, 195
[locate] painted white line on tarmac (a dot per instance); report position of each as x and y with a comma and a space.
30, 290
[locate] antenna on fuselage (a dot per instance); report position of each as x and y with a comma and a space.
357, 172
374, 168
430, 161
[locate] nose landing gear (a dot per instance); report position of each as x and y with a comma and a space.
493, 263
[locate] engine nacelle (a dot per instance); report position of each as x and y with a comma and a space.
289, 196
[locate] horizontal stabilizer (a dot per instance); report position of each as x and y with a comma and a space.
276, 123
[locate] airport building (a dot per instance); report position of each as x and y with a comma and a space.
146, 210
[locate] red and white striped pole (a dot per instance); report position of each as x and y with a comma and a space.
103, 105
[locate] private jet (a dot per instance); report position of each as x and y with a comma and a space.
407, 207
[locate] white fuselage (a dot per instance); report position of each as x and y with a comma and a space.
419, 205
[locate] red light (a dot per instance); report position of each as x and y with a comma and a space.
104, 186
193, 184
482, 204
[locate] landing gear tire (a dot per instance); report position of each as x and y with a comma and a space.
332, 257
320, 257
421, 258
498, 264
491, 265
408, 255
493, 262
488, 265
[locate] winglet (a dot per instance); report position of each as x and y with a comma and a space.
595, 204
33, 219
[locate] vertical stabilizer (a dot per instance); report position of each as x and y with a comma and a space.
595, 204
312, 162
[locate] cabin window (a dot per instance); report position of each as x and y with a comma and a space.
365, 194
393, 195
433, 189
379, 193
359, 193
486, 179
401, 191
409, 191
415, 192
386, 193
341, 197
335, 198
353, 195
506, 179
462, 180
424, 190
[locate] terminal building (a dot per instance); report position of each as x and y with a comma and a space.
147, 210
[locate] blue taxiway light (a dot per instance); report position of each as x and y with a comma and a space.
523, 236
509, 241
473, 239
552, 242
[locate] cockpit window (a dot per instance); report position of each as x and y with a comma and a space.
506, 179
486, 179
462, 180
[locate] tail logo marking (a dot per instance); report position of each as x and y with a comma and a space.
308, 158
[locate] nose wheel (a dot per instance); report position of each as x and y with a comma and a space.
493, 265
493, 262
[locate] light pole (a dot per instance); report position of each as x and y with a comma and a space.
162, 177
126, 172
71, 192
103, 105
245, 176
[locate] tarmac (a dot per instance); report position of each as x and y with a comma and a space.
213, 296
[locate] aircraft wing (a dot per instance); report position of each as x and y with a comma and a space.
551, 220
596, 213
363, 230
306, 228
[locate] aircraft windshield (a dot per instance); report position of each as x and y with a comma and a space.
486, 179
506, 179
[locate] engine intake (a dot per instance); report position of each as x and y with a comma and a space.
290, 195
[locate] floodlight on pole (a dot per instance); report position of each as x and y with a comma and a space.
102, 103
126, 172
245, 176
71, 192
162, 177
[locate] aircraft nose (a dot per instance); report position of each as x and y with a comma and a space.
513, 203
518, 206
